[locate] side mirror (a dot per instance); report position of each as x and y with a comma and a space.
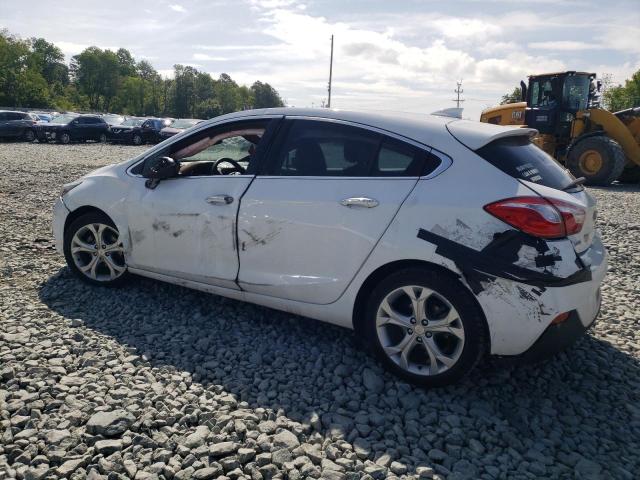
159, 168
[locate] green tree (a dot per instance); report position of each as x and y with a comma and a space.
621, 97
513, 97
265, 96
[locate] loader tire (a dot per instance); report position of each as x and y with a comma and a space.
599, 159
630, 175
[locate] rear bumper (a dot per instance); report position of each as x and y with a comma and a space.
555, 339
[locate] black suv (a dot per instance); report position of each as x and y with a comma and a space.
72, 127
17, 125
137, 131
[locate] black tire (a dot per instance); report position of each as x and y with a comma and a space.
77, 224
64, 138
471, 317
630, 175
137, 140
610, 166
29, 135
102, 138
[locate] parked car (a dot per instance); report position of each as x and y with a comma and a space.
438, 240
178, 126
68, 128
17, 125
113, 119
137, 131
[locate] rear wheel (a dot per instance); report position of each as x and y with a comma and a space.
94, 251
599, 159
425, 327
630, 175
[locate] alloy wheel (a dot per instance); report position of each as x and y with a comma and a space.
98, 253
137, 140
420, 330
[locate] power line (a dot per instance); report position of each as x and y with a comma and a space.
330, 74
458, 91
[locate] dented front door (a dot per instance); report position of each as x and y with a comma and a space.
185, 227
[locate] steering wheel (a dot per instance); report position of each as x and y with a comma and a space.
236, 166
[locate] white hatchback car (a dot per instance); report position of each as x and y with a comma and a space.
438, 240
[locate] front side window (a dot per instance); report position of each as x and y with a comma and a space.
314, 148
227, 150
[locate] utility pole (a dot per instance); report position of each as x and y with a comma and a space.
330, 74
458, 91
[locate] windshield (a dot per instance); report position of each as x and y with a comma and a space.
575, 93
113, 119
63, 118
184, 123
132, 122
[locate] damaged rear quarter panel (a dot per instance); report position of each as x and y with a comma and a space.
442, 205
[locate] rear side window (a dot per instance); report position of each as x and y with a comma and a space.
521, 159
327, 149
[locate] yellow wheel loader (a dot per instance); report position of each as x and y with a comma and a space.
591, 142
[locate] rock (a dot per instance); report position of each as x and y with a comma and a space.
70, 466
110, 424
246, 454
197, 438
587, 469
372, 381
222, 449
107, 447
398, 468
285, 439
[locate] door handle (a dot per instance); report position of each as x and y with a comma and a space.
359, 202
220, 199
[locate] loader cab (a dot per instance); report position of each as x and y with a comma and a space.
554, 99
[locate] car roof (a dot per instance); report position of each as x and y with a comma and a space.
431, 130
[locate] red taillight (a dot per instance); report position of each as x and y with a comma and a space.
538, 216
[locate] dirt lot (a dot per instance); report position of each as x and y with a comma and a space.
201, 387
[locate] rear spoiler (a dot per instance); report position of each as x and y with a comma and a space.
475, 135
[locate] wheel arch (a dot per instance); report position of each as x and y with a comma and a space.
387, 269
78, 212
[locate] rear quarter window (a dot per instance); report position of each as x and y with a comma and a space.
521, 159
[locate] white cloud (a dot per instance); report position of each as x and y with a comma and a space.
177, 8
564, 45
208, 58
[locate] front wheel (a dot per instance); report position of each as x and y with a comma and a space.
137, 140
65, 138
102, 138
94, 251
599, 159
29, 135
424, 327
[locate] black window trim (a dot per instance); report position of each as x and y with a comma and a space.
445, 160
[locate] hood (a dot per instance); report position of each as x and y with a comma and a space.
116, 128
171, 130
52, 124
475, 135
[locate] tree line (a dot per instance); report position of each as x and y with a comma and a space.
34, 74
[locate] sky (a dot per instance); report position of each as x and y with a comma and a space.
391, 55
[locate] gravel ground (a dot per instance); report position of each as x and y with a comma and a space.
157, 381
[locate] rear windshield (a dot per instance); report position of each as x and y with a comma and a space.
521, 159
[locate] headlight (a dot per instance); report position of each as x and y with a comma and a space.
67, 187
